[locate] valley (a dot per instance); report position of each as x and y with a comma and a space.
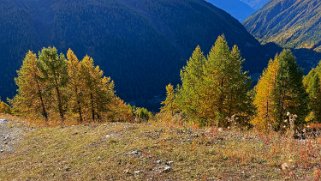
160, 90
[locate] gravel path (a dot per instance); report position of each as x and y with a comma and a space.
10, 134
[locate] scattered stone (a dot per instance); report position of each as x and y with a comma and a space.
108, 136
169, 162
220, 129
136, 153
67, 168
5, 138
1, 151
2, 121
195, 135
167, 169
284, 166
159, 161
127, 171
137, 172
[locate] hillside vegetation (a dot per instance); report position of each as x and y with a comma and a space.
290, 23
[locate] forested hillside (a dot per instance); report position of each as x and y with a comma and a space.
290, 23
141, 44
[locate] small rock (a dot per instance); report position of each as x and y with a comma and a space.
5, 138
136, 153
159, 161
67, 169
195, 135
127, 171
284, 166
2, 121
1, 151
169, 162
167, 169
108, 136
220, 129
137, 172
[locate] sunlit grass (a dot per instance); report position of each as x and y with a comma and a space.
124, 151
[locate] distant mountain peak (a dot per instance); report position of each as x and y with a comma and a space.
256, 4
236, 8
239, 9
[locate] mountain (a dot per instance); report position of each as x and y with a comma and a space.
289, 23
141, 44
236, 8
256, 4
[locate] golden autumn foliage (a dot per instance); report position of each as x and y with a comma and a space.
280, 93
30, 100
66, 88
264, 96
4, 108
169, 104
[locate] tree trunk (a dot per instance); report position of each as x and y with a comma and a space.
61, 111
44, 111
92, 107
79, 106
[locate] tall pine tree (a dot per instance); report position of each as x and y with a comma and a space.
215, 88
313, 87
191, 77
98, 91
289, 93
53, 73
225, 86
32, 96
280, 91
75, 84
263, 100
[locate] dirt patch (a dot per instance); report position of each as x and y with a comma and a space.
10, 134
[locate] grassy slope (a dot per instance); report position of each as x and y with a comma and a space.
290, 23
122, 151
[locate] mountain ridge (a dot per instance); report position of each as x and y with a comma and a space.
289, 23
256, 4
236, 8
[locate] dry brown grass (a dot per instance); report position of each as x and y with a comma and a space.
124, 151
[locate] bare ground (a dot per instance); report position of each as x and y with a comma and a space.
10, 134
